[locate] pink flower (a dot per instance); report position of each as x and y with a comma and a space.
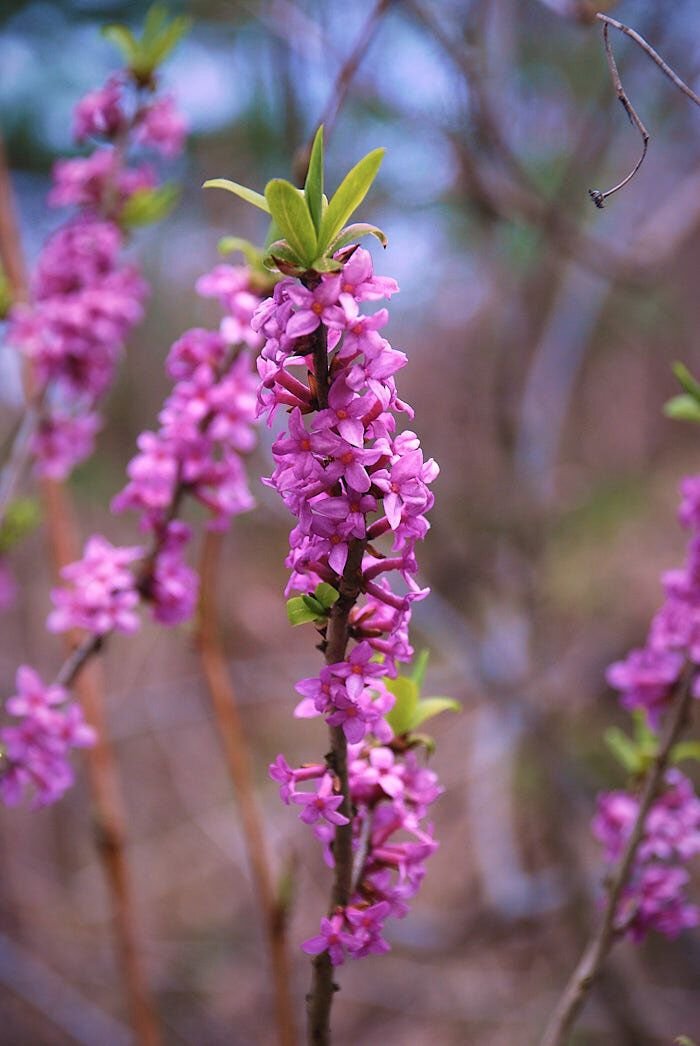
160, 126
102, 596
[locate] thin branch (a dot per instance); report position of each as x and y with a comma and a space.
341, 86
654, 55
606, 934
237, 756
102, 772
596, 195
320, 998
16, 462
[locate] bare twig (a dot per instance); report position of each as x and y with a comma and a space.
341, 86
238, 762
606, 933
102, 772
596, 195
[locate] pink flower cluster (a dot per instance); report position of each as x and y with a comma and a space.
85, 299
647, 679
34, 754
654, 898
206, 427
390, 793
353, 483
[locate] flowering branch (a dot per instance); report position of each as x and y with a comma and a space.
609, 929
103, 778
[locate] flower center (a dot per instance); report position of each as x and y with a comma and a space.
317, 308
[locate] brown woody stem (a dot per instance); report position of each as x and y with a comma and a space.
606, 933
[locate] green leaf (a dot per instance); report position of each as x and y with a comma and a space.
235, 244
432, 706
325, 265
425, 740
290, 211
311, 603
123, 39
249, 195
685, 750
146, 206
21, 518
406, 692
298, 612
686, 379
624, 749
351, 233
348, 197
683, 408
313, 186
326, 595
421, 664
279, 255
683, 1040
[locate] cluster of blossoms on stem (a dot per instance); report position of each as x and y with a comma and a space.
648, 679
34, 753
85, 298
354, 484
654, 898
206, 426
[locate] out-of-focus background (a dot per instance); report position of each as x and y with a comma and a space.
540, 333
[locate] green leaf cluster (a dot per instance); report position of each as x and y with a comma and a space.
638, 752
159, 37
410, 709
685, 407
316, 608
309, 228
147, 206
21, 518
5, 295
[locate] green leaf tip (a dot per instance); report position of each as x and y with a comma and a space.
348, 196
159, 36
313, 186
249, 195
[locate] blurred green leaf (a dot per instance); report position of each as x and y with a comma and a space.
21, 518
123, 39
686, 379
6, 296
429, 707
685, 750
348, 197
249, 195
147, 206
290, 211
624, 749
406, 692
313, 186
235, 244
683, 408
419, 668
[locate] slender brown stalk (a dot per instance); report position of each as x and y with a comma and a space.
237, 756
102, 770
320, 997
607, 933
341, 86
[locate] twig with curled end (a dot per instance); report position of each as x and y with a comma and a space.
596, 195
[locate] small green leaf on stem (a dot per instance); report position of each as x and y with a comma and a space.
429, 707
348, 197
313, 186
685, 750
249, 195
686, 379
683, 408
299, 613
352, 233
147, 206
289, 210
